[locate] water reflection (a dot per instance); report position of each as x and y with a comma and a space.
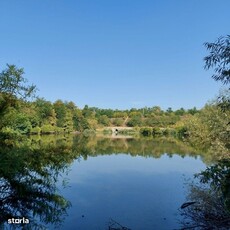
29, 171
28, 192
105, 145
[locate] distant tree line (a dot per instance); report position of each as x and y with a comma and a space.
20, 116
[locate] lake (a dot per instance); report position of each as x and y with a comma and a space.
137, 183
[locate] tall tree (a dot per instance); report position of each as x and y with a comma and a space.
14, 88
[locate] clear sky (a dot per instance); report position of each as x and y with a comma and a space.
114, 53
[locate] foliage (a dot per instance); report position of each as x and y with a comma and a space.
134, 121
16, 121
218, 176
223, 100
46, 129
182, 132
146, 131
117, 121
45, 112
60, 110
35, 130
219, 59
12, 87
180, 112
12, 83
9, 136
207, 209
60, 116
210, 128
104, 120
157, 132
210, 206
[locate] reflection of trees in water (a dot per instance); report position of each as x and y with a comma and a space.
93, 146
29, 170
209, 200
28, 176
147, 147
114, 225
105, 145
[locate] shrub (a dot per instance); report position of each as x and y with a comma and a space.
134, 121
10, 137
9, 133
118, 121
146, 131
156, 132
182, 132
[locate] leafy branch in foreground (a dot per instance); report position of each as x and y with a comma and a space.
219, 59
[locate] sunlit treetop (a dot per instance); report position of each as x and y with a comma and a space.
13, 83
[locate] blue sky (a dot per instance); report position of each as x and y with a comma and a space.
114, 53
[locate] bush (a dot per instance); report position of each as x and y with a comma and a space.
182, 132
58, 129
146, 131
134, 122
156, 132
9, 133
118, 122
104, 120
10, 137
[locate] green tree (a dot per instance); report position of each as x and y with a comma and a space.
169, 110
68, 122
16, 121
60, 110
45, 112
193, 111
104, 120
180, 112
210, 128
13, 83
13, 86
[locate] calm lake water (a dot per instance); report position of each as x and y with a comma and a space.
138, 192
139, 183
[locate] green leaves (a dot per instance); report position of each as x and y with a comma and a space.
219, 59
13, 83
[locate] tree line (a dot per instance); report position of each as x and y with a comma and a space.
42, 116
208, 126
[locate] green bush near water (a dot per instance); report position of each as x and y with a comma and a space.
146, 131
